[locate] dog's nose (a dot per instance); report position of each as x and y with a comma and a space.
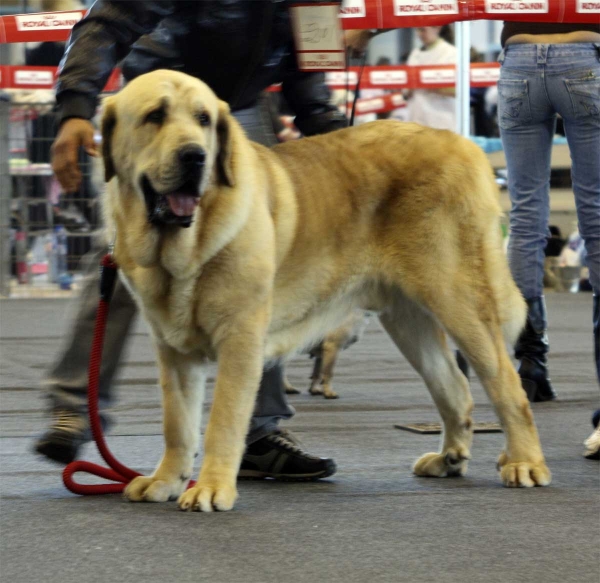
192, 157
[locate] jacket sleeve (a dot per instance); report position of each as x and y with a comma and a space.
309, 97
97, 43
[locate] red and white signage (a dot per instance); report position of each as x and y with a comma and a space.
333, 61
520, 7
42, 79
379, 14
587, 7
425, 7
485, 75
47, 21
353, 9
380, 104
318, 37
433, 75
389, 78
342, 79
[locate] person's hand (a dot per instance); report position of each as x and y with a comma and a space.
73, 134
356, 41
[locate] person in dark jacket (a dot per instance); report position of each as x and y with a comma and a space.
238, 48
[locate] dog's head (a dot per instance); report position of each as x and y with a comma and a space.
167, 136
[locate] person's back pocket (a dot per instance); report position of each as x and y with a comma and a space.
585, 95
513, 103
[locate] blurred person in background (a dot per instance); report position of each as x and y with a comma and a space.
547, 70
433, 107
238, 48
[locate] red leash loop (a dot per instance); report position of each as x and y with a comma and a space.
117, 471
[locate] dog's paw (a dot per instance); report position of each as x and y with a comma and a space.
151, 489
208, 496
290, 390
524, 474
316, 390
452, 462
330, 395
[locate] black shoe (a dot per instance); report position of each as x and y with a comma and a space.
535, 381
532, 349
279, 456
65, 436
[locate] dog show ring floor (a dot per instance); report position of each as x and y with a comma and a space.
373, 521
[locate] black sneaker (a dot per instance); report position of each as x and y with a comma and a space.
279, 456
67, 433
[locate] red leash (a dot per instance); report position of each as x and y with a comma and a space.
117, 471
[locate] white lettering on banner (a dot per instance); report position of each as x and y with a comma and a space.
484, 75
341, 78
434, 76
587, 7
53, 21
34, 78
493, 7
388, 77
369, 105
353, 9
405, 7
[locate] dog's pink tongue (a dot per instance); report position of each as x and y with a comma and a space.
182, 205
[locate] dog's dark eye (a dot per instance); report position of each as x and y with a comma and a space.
157, 116
203, 118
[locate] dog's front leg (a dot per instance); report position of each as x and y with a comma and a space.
240, 363
182, 381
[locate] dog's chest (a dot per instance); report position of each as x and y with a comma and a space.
172, 315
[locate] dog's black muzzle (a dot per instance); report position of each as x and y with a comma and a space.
160, 212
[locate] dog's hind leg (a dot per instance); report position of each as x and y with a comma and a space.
289, 388
182, 381
330, 352
474, 319
423, 342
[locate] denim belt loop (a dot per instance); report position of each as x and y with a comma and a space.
597, 47
542, 54
502, 55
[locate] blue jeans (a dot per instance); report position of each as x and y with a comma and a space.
537, 82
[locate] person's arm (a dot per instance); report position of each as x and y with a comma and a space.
97, 43
310, 99
357, 41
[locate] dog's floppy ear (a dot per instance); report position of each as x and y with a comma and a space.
109, 121
224, 161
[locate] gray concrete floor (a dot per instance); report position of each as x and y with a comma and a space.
372, 521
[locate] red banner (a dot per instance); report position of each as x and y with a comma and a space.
392, 77
384, 14
381, 104
16, 77
381, 14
